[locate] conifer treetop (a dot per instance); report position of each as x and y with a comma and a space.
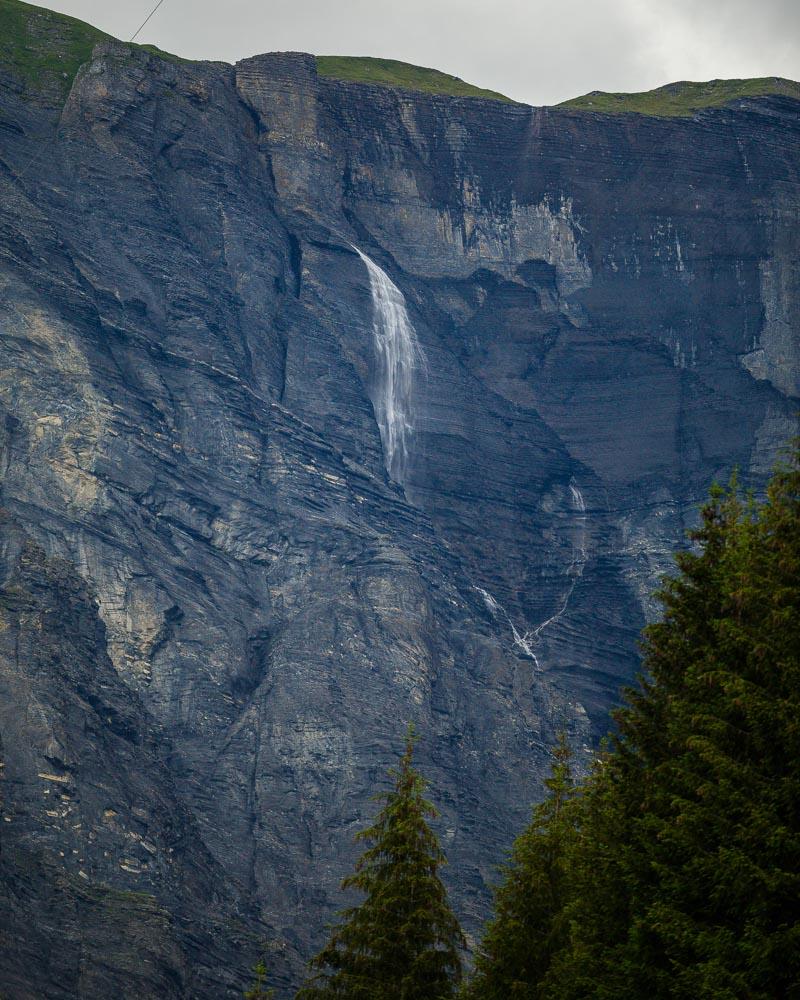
402, 941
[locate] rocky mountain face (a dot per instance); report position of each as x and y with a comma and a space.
327, 407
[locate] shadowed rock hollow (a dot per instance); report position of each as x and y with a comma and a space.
218, 609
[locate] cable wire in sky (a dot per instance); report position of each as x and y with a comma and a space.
135, 35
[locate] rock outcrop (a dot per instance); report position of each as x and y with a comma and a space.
219, 610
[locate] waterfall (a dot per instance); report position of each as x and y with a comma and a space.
525, 640
577, 497
578, 557
521, 640
398, 355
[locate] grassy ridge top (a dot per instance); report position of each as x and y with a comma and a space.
392, 73
44, 49
684, 98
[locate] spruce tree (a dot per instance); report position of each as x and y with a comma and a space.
686, 873
528, 926
402, 942
721, 829
259, 989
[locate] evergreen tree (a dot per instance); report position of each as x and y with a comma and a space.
528, 926
402, 942
259, 989
686, 873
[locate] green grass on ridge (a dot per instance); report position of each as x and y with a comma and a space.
683, 98
392, 73
44, 49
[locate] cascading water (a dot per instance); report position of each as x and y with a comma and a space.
525, 640
499, 612
398, 356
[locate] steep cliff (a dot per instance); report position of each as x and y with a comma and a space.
327, 406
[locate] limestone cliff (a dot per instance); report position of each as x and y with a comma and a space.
219, 609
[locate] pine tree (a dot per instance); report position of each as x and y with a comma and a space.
402, 942
528, 926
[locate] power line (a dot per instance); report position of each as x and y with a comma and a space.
135, 35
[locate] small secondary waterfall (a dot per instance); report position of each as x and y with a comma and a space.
526, 639
398, 355
522, 640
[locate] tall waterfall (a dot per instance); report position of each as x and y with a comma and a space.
398, 356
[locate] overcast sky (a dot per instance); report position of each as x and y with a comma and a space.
537, 51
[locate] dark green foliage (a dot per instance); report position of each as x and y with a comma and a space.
673, 872
528, 926
402, 941
686, 870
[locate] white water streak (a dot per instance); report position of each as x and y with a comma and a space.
398, 356
576, 566
525, 640
499, 611
577, 498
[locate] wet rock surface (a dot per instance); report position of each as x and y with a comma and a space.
218, 610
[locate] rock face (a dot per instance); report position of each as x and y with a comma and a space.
218, 608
